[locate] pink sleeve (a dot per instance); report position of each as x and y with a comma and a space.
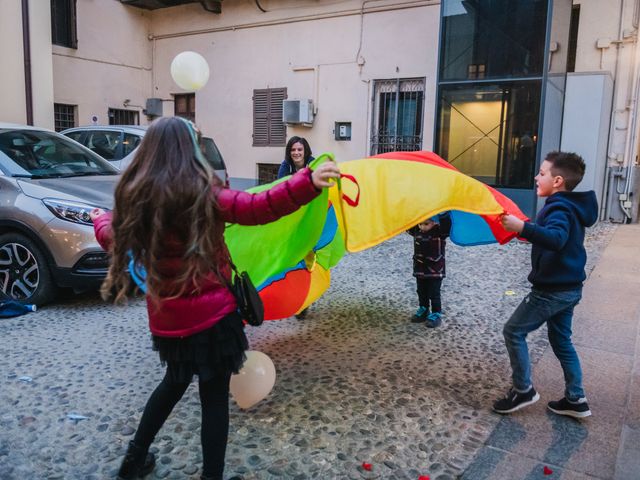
102, 229
264, 207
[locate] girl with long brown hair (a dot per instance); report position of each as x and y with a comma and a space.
170, 212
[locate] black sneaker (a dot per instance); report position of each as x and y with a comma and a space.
420, 315
434, 320
515, 400
579, 409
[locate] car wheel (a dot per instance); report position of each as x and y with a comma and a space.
24, 272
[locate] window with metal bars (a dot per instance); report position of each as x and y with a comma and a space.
268, 128
185, 106
63, 23
64, 116
119, 116
267, 172
397, 115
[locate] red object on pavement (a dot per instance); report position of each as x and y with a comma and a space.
367, 466
424, 477
547, 470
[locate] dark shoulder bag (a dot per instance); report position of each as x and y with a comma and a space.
249, 302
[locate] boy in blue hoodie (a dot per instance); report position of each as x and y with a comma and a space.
558, 258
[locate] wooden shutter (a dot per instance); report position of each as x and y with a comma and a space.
185, 106
268, 127
260, 117
277, 128
63, 23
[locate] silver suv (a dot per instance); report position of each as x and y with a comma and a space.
117, 143
48, 186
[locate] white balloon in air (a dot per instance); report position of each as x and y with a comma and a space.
190, 70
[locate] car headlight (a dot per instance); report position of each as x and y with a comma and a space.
70, 211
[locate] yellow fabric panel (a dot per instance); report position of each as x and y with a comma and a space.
397, 194
320, 281
335, 197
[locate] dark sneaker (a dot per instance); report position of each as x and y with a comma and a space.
433, 320
579, 409
515, 400
420, 315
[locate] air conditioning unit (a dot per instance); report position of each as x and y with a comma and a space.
298, 112
153, 107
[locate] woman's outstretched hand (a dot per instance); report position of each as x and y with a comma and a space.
95, 213
322, 175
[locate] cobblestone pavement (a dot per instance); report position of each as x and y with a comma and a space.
356, 381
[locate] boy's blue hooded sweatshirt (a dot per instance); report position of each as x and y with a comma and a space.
558, 256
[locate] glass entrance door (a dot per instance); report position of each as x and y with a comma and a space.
490, 132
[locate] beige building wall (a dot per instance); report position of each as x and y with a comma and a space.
330, 52
326, 51
111, 64
608, 43
11, 51
12, 81
612, 25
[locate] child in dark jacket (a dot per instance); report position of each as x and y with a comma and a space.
558, 258
429, 240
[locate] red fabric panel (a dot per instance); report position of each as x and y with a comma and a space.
285, 297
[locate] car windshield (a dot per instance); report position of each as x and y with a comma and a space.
212, 153
42, 154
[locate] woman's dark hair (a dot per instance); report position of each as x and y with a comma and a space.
164, 205
305, 144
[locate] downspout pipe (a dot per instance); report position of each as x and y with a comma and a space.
634, 87
624, 196
26, 46
612, 153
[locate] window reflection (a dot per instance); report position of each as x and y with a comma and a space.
492, 38
491, 131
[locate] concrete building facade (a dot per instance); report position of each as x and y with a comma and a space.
356, 61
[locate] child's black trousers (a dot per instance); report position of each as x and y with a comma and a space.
429, 293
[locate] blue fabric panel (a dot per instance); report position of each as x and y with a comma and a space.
468, 229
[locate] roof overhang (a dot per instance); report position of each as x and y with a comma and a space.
214, 6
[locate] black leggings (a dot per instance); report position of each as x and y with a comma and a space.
214, 400
429, 292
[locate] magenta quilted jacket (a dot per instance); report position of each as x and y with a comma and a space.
187, 315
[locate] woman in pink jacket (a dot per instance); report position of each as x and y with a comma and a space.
170, 213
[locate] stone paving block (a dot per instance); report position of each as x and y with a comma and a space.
589, 446
495, 464
633, 408
605, 319
628, 462
605, 377
356, 382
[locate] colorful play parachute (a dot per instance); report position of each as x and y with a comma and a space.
400, 189
289, 260
378, 197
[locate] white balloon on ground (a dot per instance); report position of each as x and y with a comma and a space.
254, 381
190, 70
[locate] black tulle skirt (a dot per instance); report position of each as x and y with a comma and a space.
219, 350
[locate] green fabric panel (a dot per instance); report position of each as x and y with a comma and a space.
331, 254
265, 250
